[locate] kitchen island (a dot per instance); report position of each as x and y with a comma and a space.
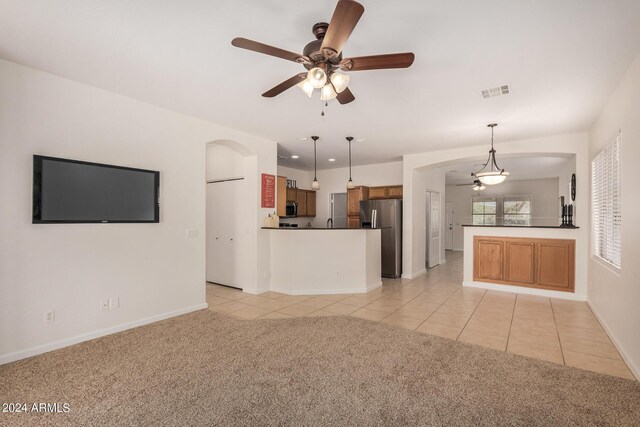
538, 260
315, 261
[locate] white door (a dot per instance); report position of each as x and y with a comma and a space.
434, 254
448, 236
224, 234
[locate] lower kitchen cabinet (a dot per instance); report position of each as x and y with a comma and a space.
536, 263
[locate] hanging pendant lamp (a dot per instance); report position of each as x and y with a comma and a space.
350, 184
315, 184
494, 175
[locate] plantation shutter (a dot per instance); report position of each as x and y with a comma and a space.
606, 205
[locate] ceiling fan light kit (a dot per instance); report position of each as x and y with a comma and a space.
323, 57
494, 175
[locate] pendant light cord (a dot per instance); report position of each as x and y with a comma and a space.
349, 160
315, 158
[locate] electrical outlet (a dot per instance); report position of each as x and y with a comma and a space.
49, 316
114, 303
104, 305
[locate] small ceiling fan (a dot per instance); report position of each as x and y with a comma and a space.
475, 186
323, 57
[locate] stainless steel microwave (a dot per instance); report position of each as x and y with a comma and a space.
292, 209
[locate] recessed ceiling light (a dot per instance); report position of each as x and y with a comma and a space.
332, 160
359, 139
295, 157
303, 138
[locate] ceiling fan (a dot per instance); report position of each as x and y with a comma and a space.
475, 186
323, 57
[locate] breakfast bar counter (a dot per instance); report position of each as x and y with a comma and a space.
325, 261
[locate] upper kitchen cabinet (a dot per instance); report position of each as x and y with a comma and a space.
281, 190
301, 199
386, 192
311, 203
354, 197
292, 193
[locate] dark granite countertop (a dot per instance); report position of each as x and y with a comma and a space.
573, 227
320, 228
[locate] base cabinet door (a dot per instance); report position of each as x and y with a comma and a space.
555, 265
489, 259
520, 265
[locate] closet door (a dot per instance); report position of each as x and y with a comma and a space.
224, 238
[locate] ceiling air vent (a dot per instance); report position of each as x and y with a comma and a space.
495, 91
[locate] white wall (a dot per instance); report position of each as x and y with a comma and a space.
615, 296
560, 144
154, 268
223, 162
544, 202
413, 262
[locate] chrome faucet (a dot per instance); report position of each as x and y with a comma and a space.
330, 221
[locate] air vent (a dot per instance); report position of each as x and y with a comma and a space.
495, 91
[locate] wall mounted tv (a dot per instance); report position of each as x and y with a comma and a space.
72, 191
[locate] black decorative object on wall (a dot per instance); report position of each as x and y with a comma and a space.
573, 187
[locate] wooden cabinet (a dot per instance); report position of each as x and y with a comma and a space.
311, 203
488, 259
386, 192
301, 199
377, 193
353, 222
394, 192
292, 194
281, 188
354, 196
520, 265
531, 262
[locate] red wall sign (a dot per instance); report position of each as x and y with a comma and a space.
268, 191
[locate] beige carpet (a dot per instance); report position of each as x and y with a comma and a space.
209, 369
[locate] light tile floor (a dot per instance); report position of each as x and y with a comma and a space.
555, 330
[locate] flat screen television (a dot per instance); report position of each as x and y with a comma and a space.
72, 191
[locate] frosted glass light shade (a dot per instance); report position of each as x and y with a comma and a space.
317, 77
350, 184
327, 92
492, 178
306, 87
478, 187
340, 81
315, 184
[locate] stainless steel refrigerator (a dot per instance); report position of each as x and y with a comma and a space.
386, 214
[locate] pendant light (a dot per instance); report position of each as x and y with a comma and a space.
350, 184
315, 184
494, 175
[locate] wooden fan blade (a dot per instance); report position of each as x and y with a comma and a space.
345, 96
378, 62
277, 90
343, 21
268, 50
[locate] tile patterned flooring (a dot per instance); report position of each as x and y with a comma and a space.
555, 330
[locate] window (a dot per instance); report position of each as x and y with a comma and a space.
484, 211
606, 205
517, 210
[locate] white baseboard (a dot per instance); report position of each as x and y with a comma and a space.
414, 275
524, 290
635, 370
326, 291
44, 348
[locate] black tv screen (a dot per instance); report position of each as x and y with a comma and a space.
72, 191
